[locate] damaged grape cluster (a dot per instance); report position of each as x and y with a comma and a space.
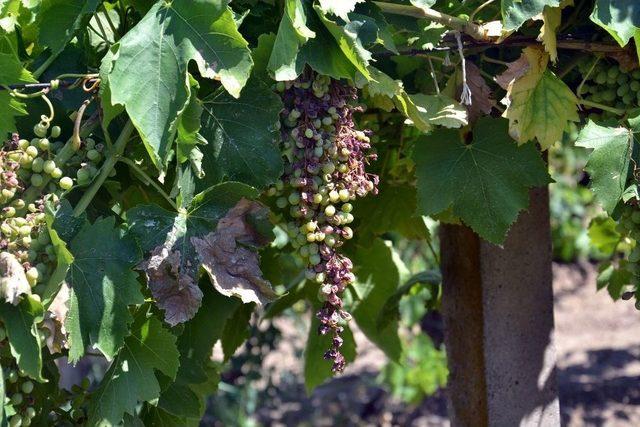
325, 160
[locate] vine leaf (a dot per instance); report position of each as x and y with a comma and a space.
21, 324
60, 20
236, 330
131, 378
603, 235
11, 72
158, 51
620, 18
539, 105
377, 218
348, 40
172, 266
241, 135
340, 8
609, 163
424, 111
293, 33
294, 47
551, 19
175, 291
379, 272
485, 183
517, 12
227, 254
13, 280
103, 285
481, 96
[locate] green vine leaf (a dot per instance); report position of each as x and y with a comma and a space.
11, 72
240, 149
485, 183
104, 285
340, 8
131, 378
620, 18
517, 12
158, 51
21, 324
379, 272
60, 21
609, 163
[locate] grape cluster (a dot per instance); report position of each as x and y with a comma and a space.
325, 159
611, 86
18, 404
25, 164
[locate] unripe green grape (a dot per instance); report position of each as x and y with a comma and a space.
24, 230
40, 130
15, 421
347, 207
48, 166
311, 237
44, 144
334, 196
32, 276
13, 376
634, 256
608, 95
348, 233
55, 131
311, 226
83, 176
613, 72
31, 151
25, 161
9, 212
90, 143
622, 78
601, 78
294, 198
330, 210
308, 133
27, 387
66, 183
37, 180
17, 398
634, 85
304, 251
93, 155
344, 195
320, 277
23, 144
317, 198
622, 90
37, 164
26, 421
57, 173
628, 99
30, 412
315, 259
343, 168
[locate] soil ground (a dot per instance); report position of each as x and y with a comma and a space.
598, 370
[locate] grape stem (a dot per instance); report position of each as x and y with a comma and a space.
107, 167
146, 179
613, 110
452, 22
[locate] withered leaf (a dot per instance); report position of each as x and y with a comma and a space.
174, 290
13, 280
481, 96
514, 71
227, 255
54, 320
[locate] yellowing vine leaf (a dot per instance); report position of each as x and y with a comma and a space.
539, 104
551, 17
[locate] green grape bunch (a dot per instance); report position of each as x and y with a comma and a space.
611, 86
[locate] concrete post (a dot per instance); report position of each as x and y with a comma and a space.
497, 307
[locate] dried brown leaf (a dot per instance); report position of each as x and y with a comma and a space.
55, 318
226, 255
13, 280
175, 291
514, 71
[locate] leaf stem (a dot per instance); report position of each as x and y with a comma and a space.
105, 170
452, 22
146, 179
110, 22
